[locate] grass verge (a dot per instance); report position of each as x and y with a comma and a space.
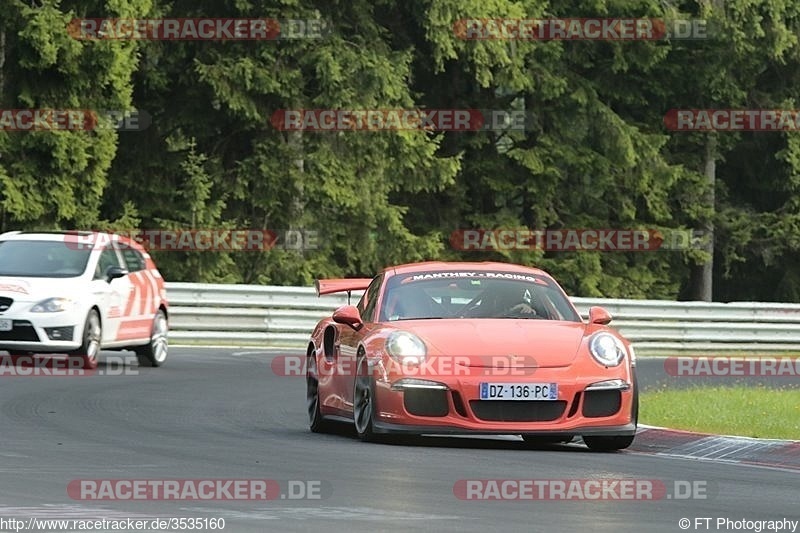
746, 411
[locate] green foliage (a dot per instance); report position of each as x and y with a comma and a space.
595, 153
58, 179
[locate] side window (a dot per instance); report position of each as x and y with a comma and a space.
134, 261
108, 258
366, 307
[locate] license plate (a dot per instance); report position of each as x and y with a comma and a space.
6, 324
519, 391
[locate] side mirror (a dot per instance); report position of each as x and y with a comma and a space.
598, 315
349, 315
115, 272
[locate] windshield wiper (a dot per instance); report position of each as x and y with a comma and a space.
418, 318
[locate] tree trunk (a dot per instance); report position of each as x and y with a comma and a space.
298, 207
703, 275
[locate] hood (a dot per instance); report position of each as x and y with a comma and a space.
36, 289
501, 342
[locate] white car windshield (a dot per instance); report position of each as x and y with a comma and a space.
42, 259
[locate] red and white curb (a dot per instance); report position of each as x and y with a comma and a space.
782, 454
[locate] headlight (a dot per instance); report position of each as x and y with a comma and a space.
606, 349
406, 347
52, 305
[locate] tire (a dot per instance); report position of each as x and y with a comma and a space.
364, 401
616, 442
316, 422
537, 441
155, 352
89, 351
635, 407
613, 443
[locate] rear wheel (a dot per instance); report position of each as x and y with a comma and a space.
90, 343
155, 353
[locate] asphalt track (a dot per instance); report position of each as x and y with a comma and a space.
214, 413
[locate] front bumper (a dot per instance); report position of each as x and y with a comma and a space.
42, 332
454, 405
398, 429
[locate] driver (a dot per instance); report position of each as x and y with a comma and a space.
506, 299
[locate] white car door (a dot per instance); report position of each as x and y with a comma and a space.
112, 296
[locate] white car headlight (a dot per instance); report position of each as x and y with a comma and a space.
406, 347
52, 305
606, 349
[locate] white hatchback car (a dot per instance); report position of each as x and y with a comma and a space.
80, 292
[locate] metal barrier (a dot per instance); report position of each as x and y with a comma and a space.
268, 316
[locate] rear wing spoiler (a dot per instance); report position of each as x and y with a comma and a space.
330, 286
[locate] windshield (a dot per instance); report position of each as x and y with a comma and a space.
474, 295
42, 259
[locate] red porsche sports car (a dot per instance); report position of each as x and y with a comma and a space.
470, 348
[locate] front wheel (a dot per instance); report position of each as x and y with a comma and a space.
608, 443
90, 342
364, 401
617, 442
155, 352
316, 422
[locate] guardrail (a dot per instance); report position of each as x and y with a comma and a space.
284, 317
